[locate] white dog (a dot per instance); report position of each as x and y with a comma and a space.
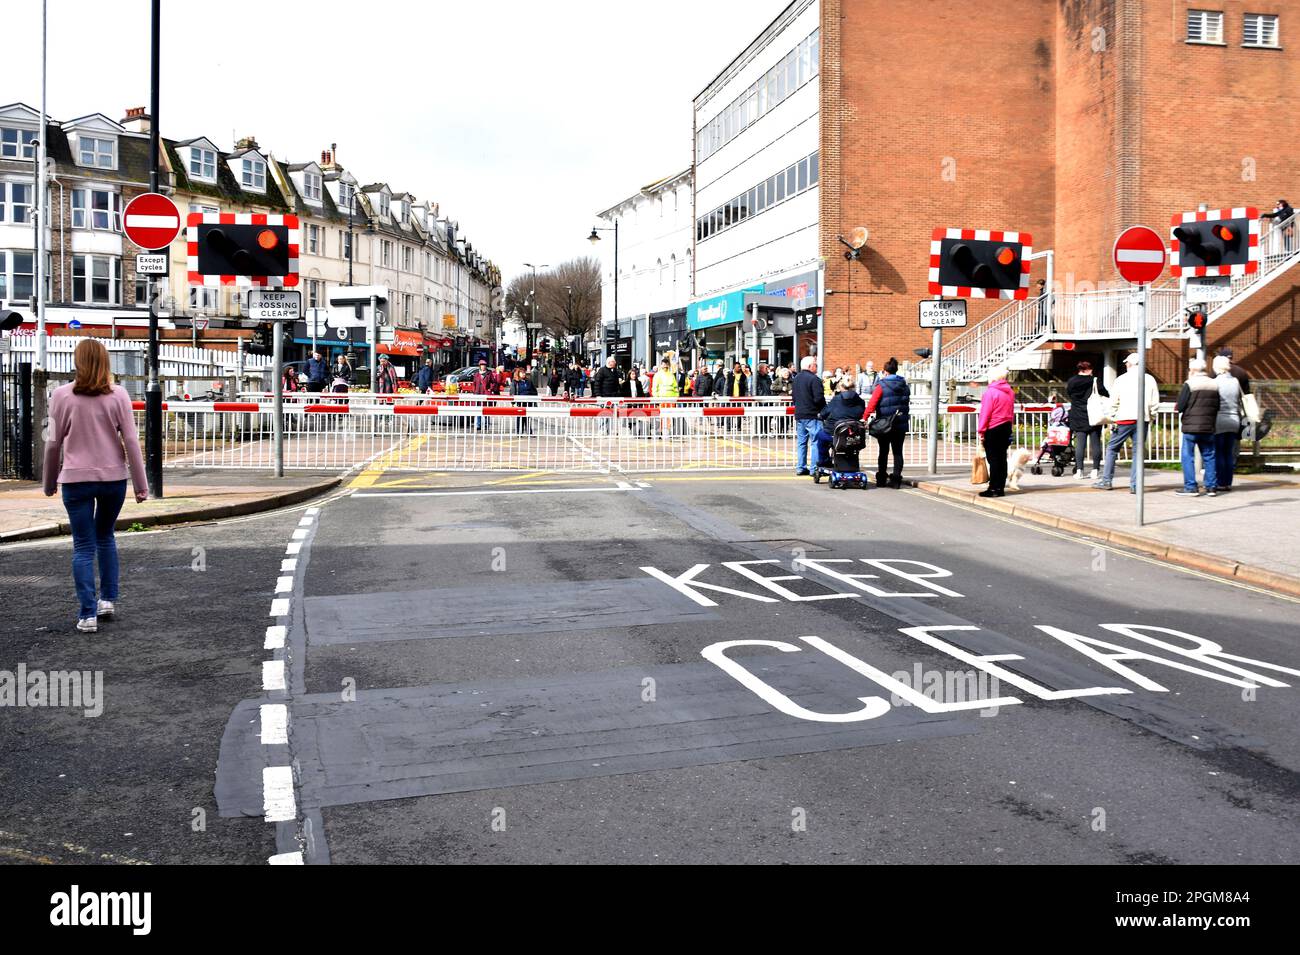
1017, 460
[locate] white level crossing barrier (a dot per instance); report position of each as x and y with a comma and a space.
337, 432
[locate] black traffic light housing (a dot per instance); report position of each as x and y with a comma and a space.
1197, 319
965, 264
226, 249
9, 319
1220, 242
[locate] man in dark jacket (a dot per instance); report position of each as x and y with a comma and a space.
1284, 216
1198, 406
607, 383
424, 380
317, 372
809, 400
703, 381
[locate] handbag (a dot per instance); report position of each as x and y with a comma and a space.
1251, 405
881, 427
979, 469
1096, 407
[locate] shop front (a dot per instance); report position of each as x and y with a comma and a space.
405, 351
667, 335
717, 326
797, 330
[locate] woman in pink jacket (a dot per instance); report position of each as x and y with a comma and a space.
997, 414
92, 439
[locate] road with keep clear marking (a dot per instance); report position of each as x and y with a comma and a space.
721, 668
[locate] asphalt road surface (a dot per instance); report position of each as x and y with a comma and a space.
676, 668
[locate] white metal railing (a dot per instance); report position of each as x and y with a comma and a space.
1110, 312
601, 436
175, 361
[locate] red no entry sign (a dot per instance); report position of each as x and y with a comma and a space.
151, 221
1140, 255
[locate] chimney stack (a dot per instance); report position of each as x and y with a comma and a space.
247, 142
327, 158
137, 120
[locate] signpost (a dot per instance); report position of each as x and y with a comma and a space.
153, 222
1140, 257
276, 306
938, 314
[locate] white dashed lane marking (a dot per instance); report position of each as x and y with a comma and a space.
273, 674
280, 607
287, 858
284, 585
277, 794
275, 723
275, 637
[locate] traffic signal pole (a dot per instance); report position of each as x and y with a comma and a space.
936, 382
153, 390
277, 389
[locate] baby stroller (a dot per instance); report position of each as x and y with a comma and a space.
1059, 444
848, 439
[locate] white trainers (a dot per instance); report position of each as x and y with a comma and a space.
1096, 474
1078, 475
88, 625
105, 608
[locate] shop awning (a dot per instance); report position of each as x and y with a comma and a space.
404, 342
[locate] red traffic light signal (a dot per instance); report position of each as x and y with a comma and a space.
980, 263
242, 248
1197, 319
1215, 242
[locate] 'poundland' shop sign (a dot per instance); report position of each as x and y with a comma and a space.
722, 310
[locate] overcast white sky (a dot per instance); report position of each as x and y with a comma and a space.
523, 119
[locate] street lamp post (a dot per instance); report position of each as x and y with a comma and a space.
532, 295
593, 239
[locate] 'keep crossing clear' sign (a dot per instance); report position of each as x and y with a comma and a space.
274, 305
943, 313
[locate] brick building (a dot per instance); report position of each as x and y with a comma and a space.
1066, 119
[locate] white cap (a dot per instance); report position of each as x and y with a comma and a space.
1132, 359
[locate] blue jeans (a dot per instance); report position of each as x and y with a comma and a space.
824, 440
1190, 443
1225, 457
92, 508
1121, 434
805, 443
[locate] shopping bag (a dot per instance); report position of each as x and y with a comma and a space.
1096, 407
979, 469
1251, 405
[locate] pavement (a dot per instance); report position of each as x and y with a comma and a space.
651, 668
188, 495
1248, 533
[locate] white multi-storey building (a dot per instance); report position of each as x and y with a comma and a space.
654, 264
757, 129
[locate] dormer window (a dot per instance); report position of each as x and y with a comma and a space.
17, 143
311, 186
346, 192
383, 204
253, 174
203, 164
99, 153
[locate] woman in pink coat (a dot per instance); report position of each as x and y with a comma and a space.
93, 440
996, 419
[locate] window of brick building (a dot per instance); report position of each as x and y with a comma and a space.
1259, 29
1205, 26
